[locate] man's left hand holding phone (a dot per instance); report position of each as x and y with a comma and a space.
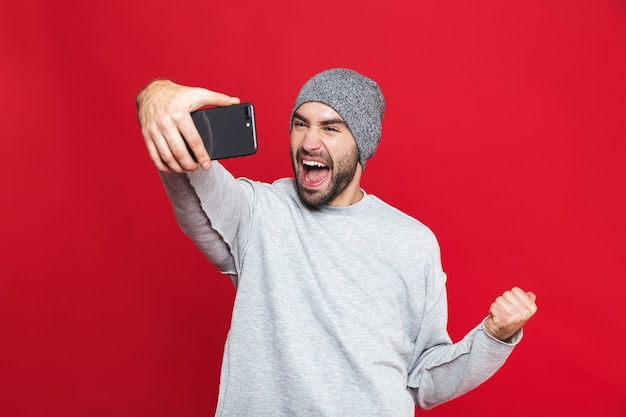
164, 114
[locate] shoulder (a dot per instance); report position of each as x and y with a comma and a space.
399, 220
281, 190
286, 185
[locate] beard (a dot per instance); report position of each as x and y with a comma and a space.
342, 174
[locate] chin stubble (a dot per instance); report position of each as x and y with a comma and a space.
342, 175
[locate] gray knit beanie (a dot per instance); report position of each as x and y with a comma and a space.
356, 98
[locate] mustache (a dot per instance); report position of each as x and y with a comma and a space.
321, 155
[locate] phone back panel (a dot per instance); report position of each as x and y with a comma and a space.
227, 132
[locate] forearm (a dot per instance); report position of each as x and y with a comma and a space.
453, 370
194, 222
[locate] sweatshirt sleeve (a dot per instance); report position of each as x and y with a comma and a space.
210, 207
450, 371
443, 370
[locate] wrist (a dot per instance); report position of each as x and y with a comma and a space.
493, 332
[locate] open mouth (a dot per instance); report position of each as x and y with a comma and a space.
314, 173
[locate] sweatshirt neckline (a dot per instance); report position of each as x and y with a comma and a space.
351, 210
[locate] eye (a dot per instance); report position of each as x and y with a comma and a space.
331, 129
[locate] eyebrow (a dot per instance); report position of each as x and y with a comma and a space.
322, 123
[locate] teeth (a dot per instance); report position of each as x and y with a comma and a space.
313, 164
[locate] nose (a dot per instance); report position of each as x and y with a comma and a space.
312, 141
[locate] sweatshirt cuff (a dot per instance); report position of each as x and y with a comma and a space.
511, 341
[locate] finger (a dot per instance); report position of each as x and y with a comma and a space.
151, 137
200, 97
518, 305
506, 308
524, 300
516, 296
172, 128
165, 152
523, 294
156, 158
190, 134
169, 141
501, 309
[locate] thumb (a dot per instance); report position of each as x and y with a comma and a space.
201, 97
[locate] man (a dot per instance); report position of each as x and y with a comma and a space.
341, 306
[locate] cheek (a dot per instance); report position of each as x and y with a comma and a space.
347, 151
294, 141
293, 149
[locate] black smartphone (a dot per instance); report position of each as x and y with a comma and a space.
227, 132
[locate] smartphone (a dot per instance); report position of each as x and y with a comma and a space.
227, 132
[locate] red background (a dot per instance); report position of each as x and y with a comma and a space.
505, 133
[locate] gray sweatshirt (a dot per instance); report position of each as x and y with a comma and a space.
339, 311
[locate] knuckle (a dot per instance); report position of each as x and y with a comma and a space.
161, 124
177, 115
179, 153
150, 134
193, 140
167, 159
